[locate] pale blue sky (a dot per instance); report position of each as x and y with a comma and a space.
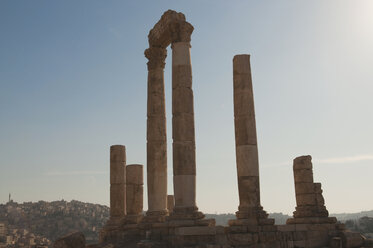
73, 82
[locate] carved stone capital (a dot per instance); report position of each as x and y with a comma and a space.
181, 31
156, 57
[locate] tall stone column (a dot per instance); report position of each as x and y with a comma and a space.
183, 133
246, 141
117, 183
134, 195
156, 136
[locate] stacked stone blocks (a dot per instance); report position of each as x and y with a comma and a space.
310, 207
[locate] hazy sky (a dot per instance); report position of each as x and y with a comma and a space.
73, 82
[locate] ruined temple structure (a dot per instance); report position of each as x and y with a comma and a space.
174, 221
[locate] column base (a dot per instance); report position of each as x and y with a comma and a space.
310, 211
132, 219
155, 216
186, 213
251, 213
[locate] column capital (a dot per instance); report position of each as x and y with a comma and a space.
181, 32
156, 57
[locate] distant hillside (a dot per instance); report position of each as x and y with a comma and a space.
353, 216
55, 219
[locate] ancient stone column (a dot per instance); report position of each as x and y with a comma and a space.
246, 141
183, 133
117, 182
134, 196
156, 136
170, 203
310, 201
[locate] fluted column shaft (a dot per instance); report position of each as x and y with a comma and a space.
183, 133
117, 181
156, 133
246, 140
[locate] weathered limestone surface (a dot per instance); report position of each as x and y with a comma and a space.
171, 29
135, 192
183, 132
246, 143
310, 202
117, 182
185, 227
156, 136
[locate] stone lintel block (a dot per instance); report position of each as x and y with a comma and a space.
182, 101
306, 199
159, 35
117, 200
195, 230
183, 127
303, 176
242, 82
134, 199
134, 174
241, 64
181, 53
184, 191
243, 103
181, 76
184, 158
247, 160
156, 128
302, 162
304, 188
156, 105
248, 189
245, 130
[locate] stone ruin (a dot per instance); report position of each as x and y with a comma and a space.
174, 221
